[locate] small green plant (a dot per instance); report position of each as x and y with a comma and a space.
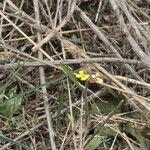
9, 104
95, 142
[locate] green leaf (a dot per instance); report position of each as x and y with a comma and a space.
8, 108
33, 89
76, 39
11, 79
70, 74
94, 143
2, 109
12, 92
61, 100
1, 97
13, 106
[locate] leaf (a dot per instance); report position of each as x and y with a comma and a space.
1, 97
70, 74
13, 105
75, 39
8, 108
61, 100
11, 79
12, 92
94, 143
2, 109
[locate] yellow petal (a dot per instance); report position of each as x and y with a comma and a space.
85, 77
81, 72
97, 74
78, 75
99, 80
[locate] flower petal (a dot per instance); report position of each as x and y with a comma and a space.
85, 77
81, 72
78, 75
99, 80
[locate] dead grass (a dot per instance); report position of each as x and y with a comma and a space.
42, 104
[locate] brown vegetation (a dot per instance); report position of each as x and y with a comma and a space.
43, 43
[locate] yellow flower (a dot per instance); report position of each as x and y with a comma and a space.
94, 77
82, 75
97, 78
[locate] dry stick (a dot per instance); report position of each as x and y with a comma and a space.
45, 28
98, 12
133, 23
24, 15
71, 114
108, 117
69, 61
49, 12
132, 42
29, 39
139, 10
21, 31
138, 28
34, 43
55, 31
64, 32
25, 82
16, 9
126, 92
127, 139
126, 79
42, 80
104, 39
24, 134
75, 61
101, 11
15, 22
44, 122
73, 48
28, 56
64, 138
71, 8
114, 141
28, 22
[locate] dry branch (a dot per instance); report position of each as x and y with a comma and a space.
70, 61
